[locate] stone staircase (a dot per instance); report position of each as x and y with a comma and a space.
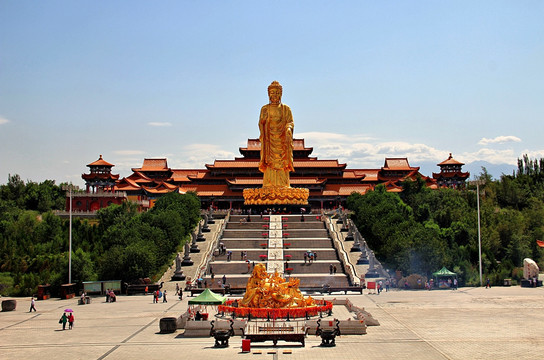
279, 242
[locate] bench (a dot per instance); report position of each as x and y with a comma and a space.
330, 290
287, 332
140, 288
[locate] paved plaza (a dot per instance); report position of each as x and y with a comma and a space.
470, 323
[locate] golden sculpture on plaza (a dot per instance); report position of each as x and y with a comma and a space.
276, 137
272, 291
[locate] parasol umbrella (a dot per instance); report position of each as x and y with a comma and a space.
68, 310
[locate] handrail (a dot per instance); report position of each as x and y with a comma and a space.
351, 271
213, 244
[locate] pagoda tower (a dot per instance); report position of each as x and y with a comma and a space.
100, 176
450, 174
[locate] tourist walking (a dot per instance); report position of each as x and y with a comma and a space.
334, 270
71, 321
164, 297
330, 269
32, 305
180, 293
63, 320
177, 288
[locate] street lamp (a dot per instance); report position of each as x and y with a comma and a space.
69, 187
478, 183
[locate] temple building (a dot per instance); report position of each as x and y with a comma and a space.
222, 183
100, 189
100, 176
450, 174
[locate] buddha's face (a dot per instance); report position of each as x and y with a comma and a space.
274, 94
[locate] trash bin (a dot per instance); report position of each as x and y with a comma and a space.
168, 325
246, 345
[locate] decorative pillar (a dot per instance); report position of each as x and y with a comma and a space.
349, 236
178, 274
205, 228
200, 237
194, 246
187, 258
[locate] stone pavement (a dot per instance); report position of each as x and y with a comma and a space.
470, 323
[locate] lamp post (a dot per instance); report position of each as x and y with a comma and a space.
478, 183
69, 187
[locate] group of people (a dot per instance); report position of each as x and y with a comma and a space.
110, 296
157, 295
332, 269
310, 256
67, 319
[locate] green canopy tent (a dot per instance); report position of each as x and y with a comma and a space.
207, 297
442, 277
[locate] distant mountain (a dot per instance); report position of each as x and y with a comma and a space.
475, 168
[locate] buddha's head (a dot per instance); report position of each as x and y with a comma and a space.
274, 93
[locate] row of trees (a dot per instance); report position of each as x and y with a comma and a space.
420, 230
122, 245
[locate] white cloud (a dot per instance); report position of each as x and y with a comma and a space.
194, 156
506, 156
358, 151
154, 123
366, 151
533, 154
499, 140
3, 120
129, 152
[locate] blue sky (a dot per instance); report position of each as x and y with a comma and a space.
186, 79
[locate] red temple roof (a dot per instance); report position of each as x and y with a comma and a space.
397, 164
127, 184
101, 176
450, 161
182, 175
100, 162
259, 181
345, 190
161, 188
153, 165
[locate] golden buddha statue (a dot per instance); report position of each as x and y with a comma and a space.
276, 136
265, 290
276, 127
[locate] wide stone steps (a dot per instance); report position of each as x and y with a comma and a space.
280, 244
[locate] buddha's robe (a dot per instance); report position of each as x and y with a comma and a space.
276, 127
